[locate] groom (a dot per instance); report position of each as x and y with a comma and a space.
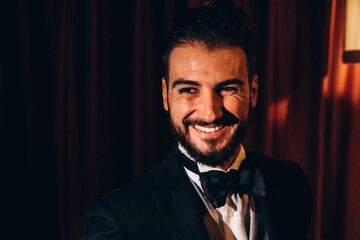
209, 186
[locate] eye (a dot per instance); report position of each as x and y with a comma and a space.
188, 90
226, 91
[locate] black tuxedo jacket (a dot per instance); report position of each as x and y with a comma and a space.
164, 204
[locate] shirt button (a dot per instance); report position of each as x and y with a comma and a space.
230, 213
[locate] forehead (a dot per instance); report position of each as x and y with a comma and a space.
195, 62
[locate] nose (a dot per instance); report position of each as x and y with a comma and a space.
210, 107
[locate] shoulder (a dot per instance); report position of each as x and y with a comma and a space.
123, 211
100, 221
140, 190
278, 171
111, 215
272, 163
135, 196
282, 178
133, 206
288, 193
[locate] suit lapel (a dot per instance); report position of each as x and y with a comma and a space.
178, 201
264, 218
264, 215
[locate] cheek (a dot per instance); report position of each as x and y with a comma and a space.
239, 108
179, 110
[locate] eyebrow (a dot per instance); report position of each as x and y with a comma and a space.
182, 81
229, 82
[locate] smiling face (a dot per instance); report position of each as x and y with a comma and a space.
209, 98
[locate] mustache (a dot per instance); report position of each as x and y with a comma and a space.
227, 119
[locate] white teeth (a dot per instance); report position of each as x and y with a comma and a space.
207, 129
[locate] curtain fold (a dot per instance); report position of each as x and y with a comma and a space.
338, 185
80, 37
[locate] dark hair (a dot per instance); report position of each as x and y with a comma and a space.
213, 25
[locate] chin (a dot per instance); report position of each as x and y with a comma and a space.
211, 152
208, 149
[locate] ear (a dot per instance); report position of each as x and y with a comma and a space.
254, 89
165, 95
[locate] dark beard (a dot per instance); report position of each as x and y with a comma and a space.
213, 158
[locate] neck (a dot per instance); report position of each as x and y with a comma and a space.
230, 161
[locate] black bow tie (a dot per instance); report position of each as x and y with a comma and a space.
217, 184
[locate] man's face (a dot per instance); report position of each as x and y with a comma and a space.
209, 98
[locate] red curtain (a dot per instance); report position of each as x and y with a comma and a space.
338, 184
310, 108
83, 106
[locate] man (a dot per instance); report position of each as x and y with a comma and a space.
209, 88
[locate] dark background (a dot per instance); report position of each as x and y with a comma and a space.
81, 110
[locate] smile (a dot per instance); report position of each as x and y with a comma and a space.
208, 129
